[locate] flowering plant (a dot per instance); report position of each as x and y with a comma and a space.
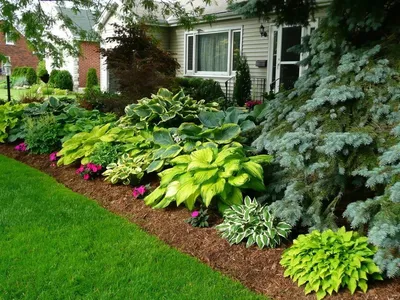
53, 157
251, 103
198, 218
23, 147
89, 171
140, 191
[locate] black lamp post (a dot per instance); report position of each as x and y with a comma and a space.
263, 33
7, 71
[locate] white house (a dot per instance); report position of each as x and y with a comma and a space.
89, 57
207, 51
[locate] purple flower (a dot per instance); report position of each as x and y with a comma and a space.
195, 214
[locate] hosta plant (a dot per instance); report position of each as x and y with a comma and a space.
327, 261
10, 115
209, 174
164, 109
128, 169
252, 222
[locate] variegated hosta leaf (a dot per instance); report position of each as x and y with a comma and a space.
254, 222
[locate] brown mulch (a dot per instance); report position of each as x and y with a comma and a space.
259, 270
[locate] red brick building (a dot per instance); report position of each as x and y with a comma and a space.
18, 51
89, 58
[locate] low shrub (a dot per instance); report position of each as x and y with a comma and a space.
253, 222
91, 78
199, 88
63, 80
42, 134
27, 72
105, 154
330, 260
53, 75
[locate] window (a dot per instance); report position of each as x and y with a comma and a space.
9, 41
212, 53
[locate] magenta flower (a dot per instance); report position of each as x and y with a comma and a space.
80, 169
195, 214
135, 193
21, 147
53, 156
86, 176
141, 189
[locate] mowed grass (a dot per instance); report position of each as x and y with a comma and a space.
18, 94
56, 244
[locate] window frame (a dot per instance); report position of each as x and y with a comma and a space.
9, 41
195, 34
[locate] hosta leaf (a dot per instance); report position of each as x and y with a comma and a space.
169, 175
226, 133
261, 159
154, 196
227, 154
247, 125
190, 130
201, 176
321, 294
239, 180
171, 151
231, 167
172, 189
211, 119
209, 190
185, 191
352, 285
155, 166
182, 159
235, 197
254, 169
205, 156
363, 285
162, 137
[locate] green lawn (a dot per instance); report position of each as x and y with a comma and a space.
56, 244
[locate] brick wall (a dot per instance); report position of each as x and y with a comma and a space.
89, 58
19, 53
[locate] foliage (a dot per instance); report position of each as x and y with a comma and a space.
209, 173
139, 66
31, 97
330, 260
27, 72
128, 169
242, 88
253, 222
165, 109
82, 145
42, 134
53, 76
19, 81
199, 88
198, 218
63, 80
105, 153
94, 98
91, 78
10, 115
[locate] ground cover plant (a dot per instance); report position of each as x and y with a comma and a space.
78, 249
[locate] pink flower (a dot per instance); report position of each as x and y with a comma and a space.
86, 177
53, 156
21, 147
135, 193
80, 169
141, 189
195, 214
53, 165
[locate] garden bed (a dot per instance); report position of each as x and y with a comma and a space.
258, 269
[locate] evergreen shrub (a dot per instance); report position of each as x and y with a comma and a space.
242, 88
91, 78
63, 80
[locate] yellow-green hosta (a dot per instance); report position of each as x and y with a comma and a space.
209, 174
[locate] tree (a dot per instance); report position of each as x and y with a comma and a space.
242, 89
139, 66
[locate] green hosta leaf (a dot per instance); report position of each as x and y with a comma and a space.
231, 167
172, 174
239, 180
211, 189
261, 159
247, 125
211, 119
181, 160
155, 166
234, 197
228, 154
162, 137
172, 189
190, 130
185, 191
201, 176
154, 196
205, 156
171, 151
254, 170
226, 133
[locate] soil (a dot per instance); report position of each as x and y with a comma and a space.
257, 269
